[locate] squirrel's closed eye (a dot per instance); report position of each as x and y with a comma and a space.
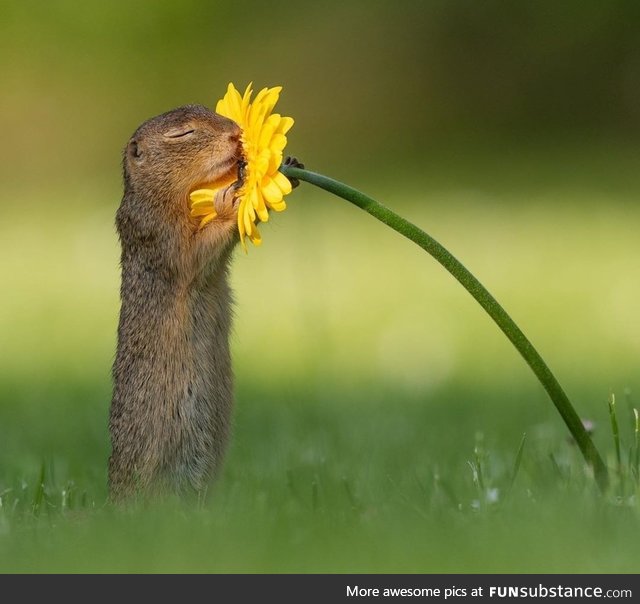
179, 132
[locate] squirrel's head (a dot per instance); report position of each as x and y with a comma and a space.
174, 153
168, 157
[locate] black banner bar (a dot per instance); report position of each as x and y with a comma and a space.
322, 589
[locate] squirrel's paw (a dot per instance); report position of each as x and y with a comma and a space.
224, 201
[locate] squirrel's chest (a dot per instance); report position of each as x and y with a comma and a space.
203, 362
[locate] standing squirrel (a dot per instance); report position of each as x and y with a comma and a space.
172, 398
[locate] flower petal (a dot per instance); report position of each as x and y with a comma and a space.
268, 131
259, 205
202, 203
241, 230
255, 237
285, 125
262, 162
202, 211
207, 219
283, 182
248, 219
202, 195
225, 104
275, 161
278, 207
271, 191
278, 143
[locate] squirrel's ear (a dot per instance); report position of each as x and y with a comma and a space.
134, 150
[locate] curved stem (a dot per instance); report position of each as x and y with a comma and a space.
481, 295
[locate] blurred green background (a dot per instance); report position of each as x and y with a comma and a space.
365, 375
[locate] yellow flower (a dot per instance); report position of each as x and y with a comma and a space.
263, 141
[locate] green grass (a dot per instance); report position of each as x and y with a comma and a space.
337, 486
380, 415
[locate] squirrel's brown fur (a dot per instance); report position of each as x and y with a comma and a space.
172, 398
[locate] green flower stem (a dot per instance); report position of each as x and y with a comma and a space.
482, 296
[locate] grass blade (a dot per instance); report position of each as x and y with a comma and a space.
636, 435
38, 496
616, 432
518, 461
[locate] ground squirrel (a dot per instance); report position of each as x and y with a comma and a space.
172, 398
